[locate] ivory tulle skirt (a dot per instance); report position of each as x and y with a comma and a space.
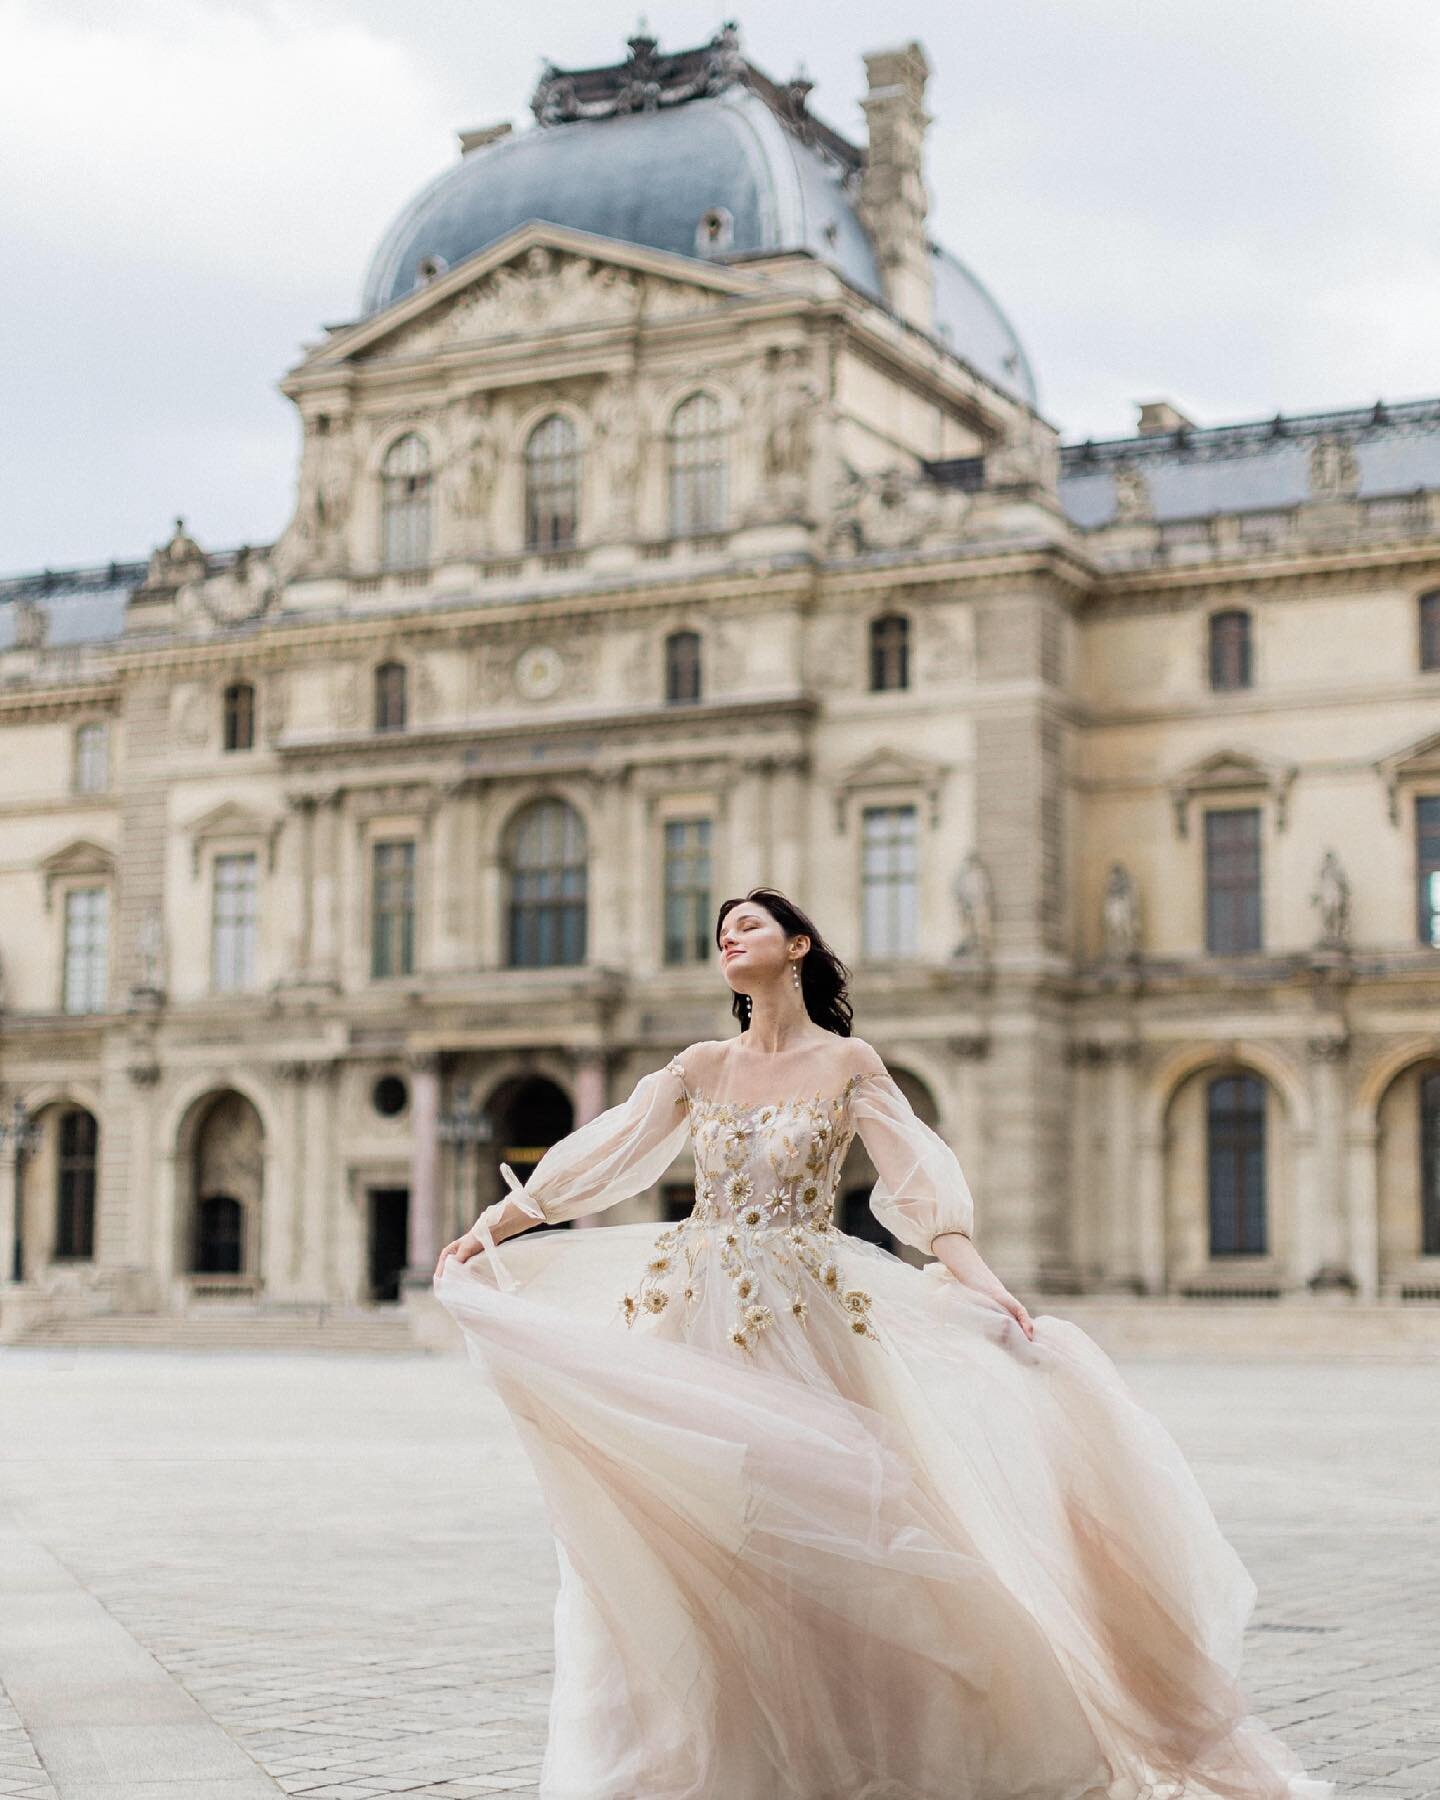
934, 1561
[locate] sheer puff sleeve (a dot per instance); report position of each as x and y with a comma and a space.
921, 1192
619, 1152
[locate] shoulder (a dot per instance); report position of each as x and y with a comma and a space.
863, 1058
695, 1059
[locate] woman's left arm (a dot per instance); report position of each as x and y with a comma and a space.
922, 1196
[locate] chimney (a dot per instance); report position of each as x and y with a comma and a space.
1159, 416
892, 192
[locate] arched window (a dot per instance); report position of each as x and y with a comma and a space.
697, 467
1430, 1163
1430, 630
76, 1148
405, 504
1235, 1127
682, 666
546, 868
239, 716
552, 485
1229, 649
390, 697
889, 652
92, 757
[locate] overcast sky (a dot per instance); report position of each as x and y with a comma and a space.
1228, 203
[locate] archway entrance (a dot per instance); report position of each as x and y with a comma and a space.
227, 1165
530, 1114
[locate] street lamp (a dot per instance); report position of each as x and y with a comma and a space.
20, 1138
465, 1126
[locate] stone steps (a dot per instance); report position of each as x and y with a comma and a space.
249, 1330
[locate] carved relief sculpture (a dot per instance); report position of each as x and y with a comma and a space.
1332, 900
1120, 916
975, 897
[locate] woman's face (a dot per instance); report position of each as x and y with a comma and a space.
753, 947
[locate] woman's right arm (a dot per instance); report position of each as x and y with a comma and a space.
620, 1152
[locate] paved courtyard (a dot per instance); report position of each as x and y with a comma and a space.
237, 1575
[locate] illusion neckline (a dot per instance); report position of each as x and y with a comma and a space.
695, 1096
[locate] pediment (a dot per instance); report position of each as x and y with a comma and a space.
1418, 760
889, 769
1231, 771
539, 278
77, 860
236, 822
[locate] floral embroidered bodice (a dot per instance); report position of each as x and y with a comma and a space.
766, 1175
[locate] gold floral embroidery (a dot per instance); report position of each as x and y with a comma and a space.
771, 1238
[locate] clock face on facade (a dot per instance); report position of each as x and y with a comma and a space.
538, 672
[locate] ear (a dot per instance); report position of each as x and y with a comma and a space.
802, 940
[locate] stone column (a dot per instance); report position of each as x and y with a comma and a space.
1150, 1209
424, 1228
324, 962
1322, 1252
589, 1101
1123, 1234
1362, 1197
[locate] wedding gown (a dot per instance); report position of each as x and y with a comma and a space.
828, 1525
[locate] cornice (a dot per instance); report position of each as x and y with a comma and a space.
20, 706
573, 733
1123, 591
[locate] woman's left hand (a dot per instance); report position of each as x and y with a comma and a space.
967, 1265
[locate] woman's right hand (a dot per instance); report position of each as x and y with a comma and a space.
461, 1248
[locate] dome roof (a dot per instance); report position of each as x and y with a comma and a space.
721, 176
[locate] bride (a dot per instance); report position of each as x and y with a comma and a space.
830, 1526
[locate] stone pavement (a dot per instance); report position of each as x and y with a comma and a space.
231, 1575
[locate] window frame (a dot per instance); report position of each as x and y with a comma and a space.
1240, 649
1214, 889
90, 769
680, 674
73, 1244
894, 881
245, 982
554, 527
531, 921
696, 467
1427, 624
390, 696
892, 657
97, 978
1244, 1152
1427, 869
387, 918
407, 504
237, 718
692, 896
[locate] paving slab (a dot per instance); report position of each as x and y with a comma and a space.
337, 1568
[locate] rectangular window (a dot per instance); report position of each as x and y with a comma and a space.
87, 934
92, 758
687, 890
233, 923
392, 921
1427, 862
1232, 881
890, 888
75, 1185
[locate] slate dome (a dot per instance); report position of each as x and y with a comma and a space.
734, 168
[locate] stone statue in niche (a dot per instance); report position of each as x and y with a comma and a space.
325, 495
790, 398
1132, 496
150, 953
975, 897
619, 428
1332, 900
1120, 916
473, 466
1334, 470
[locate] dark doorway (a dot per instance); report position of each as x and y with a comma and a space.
529, 1114
220, 1244
858, 1219
389, 1236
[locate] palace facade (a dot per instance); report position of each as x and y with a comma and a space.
676, 515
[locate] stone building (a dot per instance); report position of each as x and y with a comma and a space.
674, 516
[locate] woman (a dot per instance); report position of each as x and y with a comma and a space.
831, 1526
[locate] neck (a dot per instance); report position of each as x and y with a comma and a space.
778, 1020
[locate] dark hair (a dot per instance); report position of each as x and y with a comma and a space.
823, 977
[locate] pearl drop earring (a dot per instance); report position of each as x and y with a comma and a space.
795, 972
